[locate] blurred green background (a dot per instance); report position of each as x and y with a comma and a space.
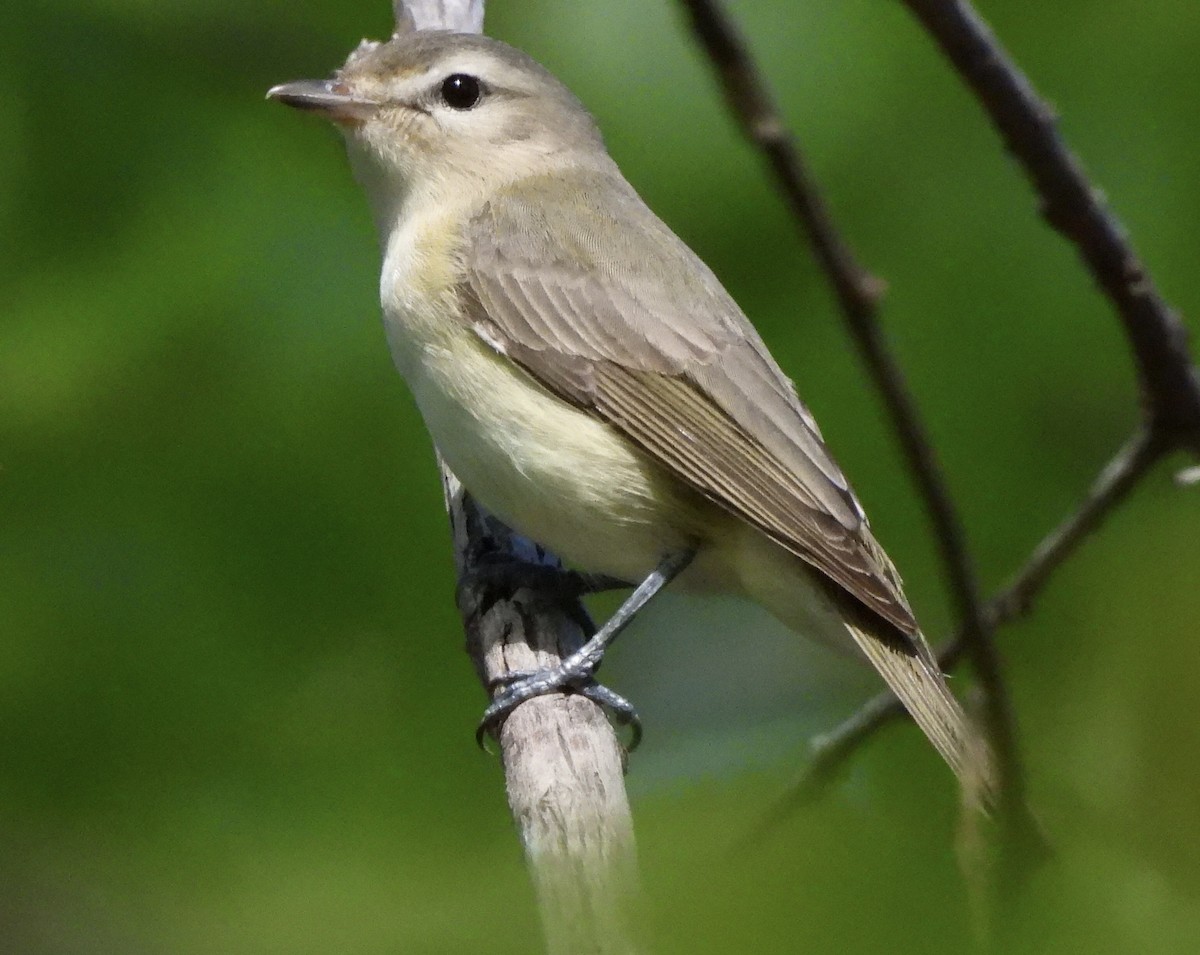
235, 714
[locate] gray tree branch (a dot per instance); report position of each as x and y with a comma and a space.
563, 764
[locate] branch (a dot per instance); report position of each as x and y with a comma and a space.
858, 295
462, 16
563, 765
1168, 379
1014, 601
1075, 208
1110, 488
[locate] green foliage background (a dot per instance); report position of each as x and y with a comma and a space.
234, 711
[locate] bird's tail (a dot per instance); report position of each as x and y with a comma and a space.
912, 673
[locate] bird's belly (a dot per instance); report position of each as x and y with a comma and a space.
550, 470
571, 483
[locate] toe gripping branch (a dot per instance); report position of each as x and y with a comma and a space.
521, 685
575, 674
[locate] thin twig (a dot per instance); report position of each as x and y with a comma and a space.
858, 294
1156, 335
1127, 467
1110, 488
1075, 208
1188, 476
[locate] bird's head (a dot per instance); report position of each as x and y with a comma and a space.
437, 110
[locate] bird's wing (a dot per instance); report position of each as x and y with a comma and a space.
603, 305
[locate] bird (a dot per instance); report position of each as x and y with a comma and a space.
589, 379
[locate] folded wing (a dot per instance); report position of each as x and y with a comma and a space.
605, 307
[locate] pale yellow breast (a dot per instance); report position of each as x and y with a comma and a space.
554, 472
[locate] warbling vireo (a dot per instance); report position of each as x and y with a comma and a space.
586, 376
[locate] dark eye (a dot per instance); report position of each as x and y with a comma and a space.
461, 91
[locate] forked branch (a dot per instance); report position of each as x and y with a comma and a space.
1157, 338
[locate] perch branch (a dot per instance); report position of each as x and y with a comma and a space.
858, 294
563, 765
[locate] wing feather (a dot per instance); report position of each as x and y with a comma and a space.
612, 312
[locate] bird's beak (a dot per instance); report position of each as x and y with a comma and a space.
331, 98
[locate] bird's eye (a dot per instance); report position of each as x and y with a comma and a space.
461, 91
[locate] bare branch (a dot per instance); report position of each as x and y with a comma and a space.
1108, 492
750, 103
1156, 335
1188, 476
1075, 208
462, 16
1113, 484
858, 294
563, 765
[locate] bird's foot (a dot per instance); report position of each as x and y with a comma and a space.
571, 676
575, 673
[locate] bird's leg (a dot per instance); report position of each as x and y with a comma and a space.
575, 672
